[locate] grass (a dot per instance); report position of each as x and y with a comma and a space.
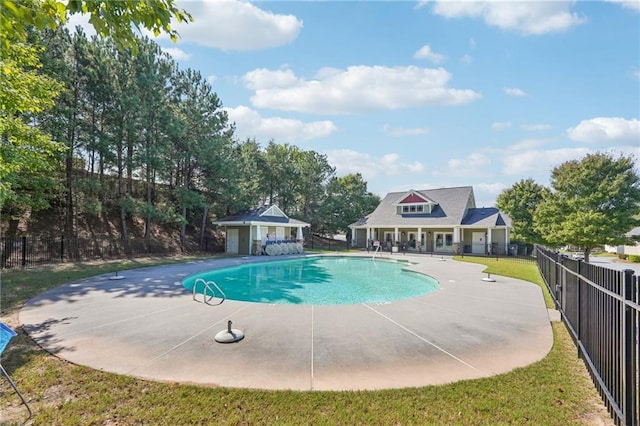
553, 391
523, 270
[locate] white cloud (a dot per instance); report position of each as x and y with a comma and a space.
466, 59
526, 17
212, 78
606, 129
264, 79
487, 191
471, 165
628, 4
535, 127
474, 161
500, 125
514, 91
236, 25
347, 161
249, 124
177, 54
355, 89
425, 52
404, 131
517, 162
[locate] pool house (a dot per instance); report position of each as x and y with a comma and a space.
249, 232
444, 220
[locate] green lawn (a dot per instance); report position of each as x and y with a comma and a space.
553, 391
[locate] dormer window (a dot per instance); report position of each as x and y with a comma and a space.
416, 208
414, 203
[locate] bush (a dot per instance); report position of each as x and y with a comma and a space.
634, 258
622, 256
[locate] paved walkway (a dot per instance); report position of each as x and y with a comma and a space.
147, 325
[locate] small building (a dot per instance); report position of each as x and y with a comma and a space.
248, 232
627, 249
444, 220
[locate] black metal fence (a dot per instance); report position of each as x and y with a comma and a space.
22, 252
495, 249
600, 308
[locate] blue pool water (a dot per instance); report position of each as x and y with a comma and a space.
318, 280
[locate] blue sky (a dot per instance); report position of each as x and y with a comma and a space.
419, 95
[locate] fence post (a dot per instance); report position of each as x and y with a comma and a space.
24, 251
578, 302
630, 330
559, 290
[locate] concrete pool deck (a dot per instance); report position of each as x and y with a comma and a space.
147, 325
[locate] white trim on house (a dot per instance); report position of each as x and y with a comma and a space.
451, 215
274, 211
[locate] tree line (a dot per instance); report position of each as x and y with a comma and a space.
592, 202
122, 129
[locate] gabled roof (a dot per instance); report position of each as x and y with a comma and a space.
264, 214
486, 217
451, 206
413, 197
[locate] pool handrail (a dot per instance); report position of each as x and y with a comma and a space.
207, 285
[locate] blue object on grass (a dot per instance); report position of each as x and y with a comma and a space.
6, 334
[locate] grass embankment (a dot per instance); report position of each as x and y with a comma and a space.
517, 268
553, 391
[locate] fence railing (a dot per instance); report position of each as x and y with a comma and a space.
22, 252
600, 308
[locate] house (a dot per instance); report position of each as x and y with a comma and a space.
627, 249
248, 232
444, 220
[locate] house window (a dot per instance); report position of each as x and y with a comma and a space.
419, 209
405, 209
448, 240
412, 209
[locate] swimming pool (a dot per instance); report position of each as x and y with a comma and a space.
318, 280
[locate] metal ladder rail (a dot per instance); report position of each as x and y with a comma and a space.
207, 285
375, 252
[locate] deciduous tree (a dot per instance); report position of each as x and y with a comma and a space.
594, 201
347, 200
520, 203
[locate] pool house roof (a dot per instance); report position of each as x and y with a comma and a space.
264, 215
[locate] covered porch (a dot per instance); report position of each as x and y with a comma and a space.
452, 240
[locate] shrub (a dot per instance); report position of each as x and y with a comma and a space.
634, 258
622, 256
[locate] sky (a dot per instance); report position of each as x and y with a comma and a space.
425, 94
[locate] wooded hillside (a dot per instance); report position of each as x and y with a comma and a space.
145, 145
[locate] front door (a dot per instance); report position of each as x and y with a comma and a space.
411, 236
477, 243
232, 241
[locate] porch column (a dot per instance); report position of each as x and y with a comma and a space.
396, 235
456, 234
250, 240
489, 249
299, 237
419, 238
506, 240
